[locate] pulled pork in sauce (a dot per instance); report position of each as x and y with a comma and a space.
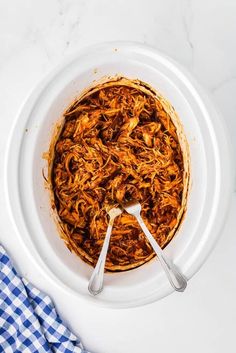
117, 144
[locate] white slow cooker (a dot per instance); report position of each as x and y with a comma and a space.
29, 200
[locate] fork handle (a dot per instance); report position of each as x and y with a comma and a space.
176, 279
96, 281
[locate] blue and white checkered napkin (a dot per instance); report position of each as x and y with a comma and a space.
29, 322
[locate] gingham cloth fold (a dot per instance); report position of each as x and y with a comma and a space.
29, 322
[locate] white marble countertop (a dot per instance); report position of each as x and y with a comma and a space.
201, 35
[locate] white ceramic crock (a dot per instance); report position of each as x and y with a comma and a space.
29, 201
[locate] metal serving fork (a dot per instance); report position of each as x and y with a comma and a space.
96, 281
176, 279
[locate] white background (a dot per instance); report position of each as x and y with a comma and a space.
200, 35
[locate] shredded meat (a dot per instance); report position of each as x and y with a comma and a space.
117, 144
